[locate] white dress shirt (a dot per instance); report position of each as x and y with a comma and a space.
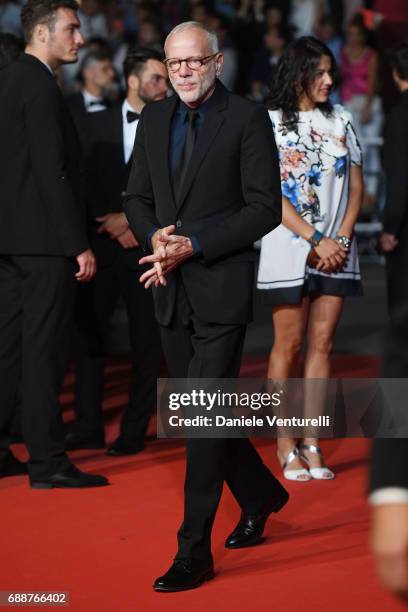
129, 131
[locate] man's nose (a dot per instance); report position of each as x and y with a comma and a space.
184, 69
79, 39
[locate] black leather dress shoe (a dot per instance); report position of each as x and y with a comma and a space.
76, 441
120, 448
250, 528
183, 575
71, 478
11, 466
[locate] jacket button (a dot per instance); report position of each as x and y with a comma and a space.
123, 194
178, 223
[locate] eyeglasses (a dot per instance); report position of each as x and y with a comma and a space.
194, 63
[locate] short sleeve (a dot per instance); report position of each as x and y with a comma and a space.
273, 117
356, 156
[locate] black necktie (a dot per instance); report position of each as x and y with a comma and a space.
131, 116
187, 150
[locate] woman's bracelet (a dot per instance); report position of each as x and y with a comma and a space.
315, 239
344, 241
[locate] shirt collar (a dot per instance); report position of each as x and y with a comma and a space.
88, 97
183, 109
48, 67
127, 107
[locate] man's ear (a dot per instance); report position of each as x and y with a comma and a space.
41, 33
219, 60
133, 82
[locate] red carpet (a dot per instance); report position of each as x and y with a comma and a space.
106, 546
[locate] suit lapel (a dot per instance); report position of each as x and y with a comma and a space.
117, 133
212, 123
160, 145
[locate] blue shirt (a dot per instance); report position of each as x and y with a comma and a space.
178, 130
178, 135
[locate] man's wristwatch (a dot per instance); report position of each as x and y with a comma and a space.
344, 241
315, 239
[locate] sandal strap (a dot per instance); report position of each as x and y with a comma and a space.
312, 448
291, 456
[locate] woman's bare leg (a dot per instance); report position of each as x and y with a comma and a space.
324, 315
289, 324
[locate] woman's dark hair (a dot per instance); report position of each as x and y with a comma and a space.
295, 73
357, 21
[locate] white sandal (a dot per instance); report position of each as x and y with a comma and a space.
300, 475
319, 473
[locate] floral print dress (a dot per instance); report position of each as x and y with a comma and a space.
315, 159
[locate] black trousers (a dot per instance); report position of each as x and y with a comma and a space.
36, 304
95, 306
396, 351
196, 349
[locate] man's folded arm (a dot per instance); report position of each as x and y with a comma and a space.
139, 200
44, 120
260, 178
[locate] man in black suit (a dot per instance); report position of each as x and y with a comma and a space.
42, 242
389, 501
96, 75
389, 469
394, 240
205, 164
117, 253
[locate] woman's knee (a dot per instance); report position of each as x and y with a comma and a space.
289, 345
321, 343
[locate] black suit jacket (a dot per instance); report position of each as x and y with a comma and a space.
107, 175
230, 197
395, 217
80, 116
389, 466
41, 210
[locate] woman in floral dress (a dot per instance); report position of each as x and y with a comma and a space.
321, 179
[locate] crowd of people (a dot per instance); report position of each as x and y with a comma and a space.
101, 204
252, 34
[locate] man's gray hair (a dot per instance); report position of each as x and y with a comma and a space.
195, 25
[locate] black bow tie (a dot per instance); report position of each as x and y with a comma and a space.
97, 103
131, 116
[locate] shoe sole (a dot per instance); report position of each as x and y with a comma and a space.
205, 578
46, 485
255, 542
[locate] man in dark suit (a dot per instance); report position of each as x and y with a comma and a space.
205, 164
389, 501
394, 240
117, 253
42, 242
97, 76
389, 469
